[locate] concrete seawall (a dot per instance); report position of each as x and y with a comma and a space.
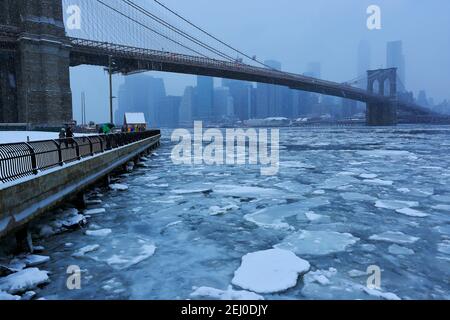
23, 200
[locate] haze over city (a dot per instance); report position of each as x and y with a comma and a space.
301, 32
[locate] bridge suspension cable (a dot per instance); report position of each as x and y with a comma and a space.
150, 29
177, 30
212, 36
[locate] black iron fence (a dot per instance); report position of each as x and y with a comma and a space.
23, 159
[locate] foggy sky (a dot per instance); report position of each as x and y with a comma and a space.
297, 32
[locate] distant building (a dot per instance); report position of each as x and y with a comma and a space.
134, 122
169, 112
242, 93
205, 98
223, 103
270, 98
187, 112
396, 59
141, 93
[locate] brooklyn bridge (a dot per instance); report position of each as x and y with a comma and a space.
37, 49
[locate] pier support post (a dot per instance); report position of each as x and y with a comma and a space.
379, 114
24, 242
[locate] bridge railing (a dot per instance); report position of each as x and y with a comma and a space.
18, 160
177, 58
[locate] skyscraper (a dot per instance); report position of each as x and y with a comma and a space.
241, 92
205, 98
396, 59
140, 93
169, 110
187, 107
269, 97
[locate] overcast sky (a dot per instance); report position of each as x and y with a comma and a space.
296, 32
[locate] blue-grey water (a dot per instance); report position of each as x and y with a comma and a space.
344, 198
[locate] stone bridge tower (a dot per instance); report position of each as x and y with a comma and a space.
34, 77
382, 82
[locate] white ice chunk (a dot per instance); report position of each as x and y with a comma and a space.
92, 212
8, 297
269, 271
87, 249
394, 237
123, 262
230, 294
368, 176
118, 187
395, 204
248, 192
216, 210
317, 242
398, 250
23, 280
412, 213
193, 191
355, 196
379, 182
99, 233
381, 294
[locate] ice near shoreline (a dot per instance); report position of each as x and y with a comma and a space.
340, 206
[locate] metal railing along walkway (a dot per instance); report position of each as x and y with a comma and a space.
18, 160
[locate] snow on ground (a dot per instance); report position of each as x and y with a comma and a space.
317, 243
24, 280
229, 294
22, 136
394, 237
269, 271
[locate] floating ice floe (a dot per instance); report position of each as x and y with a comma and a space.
248, 192
442, 207
355, 196
93, 202
216, 210
317, 242
229, 294
24, 280
31, 260
338, 182
368, 176
395, 204
412, 213
388, 153
442, 198
294, 187
92, 212
87, 249
379, 182
124, 262
398, 250
272, 217
330, 284
380, 294
98, 233
394, 237
444, 247
8, 297
314, 217
357, 273
118, 187
269, 271
193, 191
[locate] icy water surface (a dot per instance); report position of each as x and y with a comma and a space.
344, 199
